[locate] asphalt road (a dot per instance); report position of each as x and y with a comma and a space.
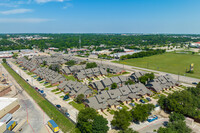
180, 78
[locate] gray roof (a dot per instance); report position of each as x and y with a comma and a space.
114, 94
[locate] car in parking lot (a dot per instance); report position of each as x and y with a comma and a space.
194, 83
132, 104
58, 106
67, 114
149, 99
120, 108
165, 123
142, 101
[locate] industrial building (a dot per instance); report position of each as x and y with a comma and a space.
2, 127
8, 105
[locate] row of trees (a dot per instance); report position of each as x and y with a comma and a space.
147, 77
143, 54
186, 102
64, 41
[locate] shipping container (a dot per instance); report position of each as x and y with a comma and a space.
11, 125
6, 118
54, 127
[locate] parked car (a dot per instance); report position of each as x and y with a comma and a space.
36, 88
194, 83
132, 104
152, 118
65, 97
67, 114
58, 106
149, 99
165, 123
142, 101
44, 95
27, 80
120, 108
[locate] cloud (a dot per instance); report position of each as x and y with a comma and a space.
68, 5
15, 11
45, 1
8, 5
23, 20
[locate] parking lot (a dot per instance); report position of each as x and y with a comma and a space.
29, 115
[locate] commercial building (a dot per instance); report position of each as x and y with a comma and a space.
8, 105
2, 127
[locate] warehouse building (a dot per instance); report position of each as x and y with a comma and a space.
8, 105
2, 127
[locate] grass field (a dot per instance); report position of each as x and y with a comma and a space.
77, 106
65, 124
168, 62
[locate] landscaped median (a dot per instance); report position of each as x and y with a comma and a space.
64, 123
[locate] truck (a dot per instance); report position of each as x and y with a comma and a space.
6, 118
54, 127
11, 125
152, 118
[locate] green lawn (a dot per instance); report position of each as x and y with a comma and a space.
168, 62
70, 77
77, 106
65, 124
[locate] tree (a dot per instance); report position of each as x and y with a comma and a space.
91, 65
80, 98
4, 60
113, 85
129, 130
121, 119
175, 127
44, 63
176, 117
141, 112
55, 67
129, 82
70, 63
90, 122
26, 57
100, 125
15, 55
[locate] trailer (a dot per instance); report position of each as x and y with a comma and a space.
54, 127
11, 125
6, 118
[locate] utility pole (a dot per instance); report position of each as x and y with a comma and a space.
80, 41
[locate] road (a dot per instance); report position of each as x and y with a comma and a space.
52, 97
35, 118
184, 79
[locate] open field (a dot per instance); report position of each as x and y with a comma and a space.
168, 62
65, 124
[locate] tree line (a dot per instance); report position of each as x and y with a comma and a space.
143, 54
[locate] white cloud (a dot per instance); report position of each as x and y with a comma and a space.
23, 20
45, 1
15, 11
68, 5
8, 5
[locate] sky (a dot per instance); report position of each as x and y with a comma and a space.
100, 16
